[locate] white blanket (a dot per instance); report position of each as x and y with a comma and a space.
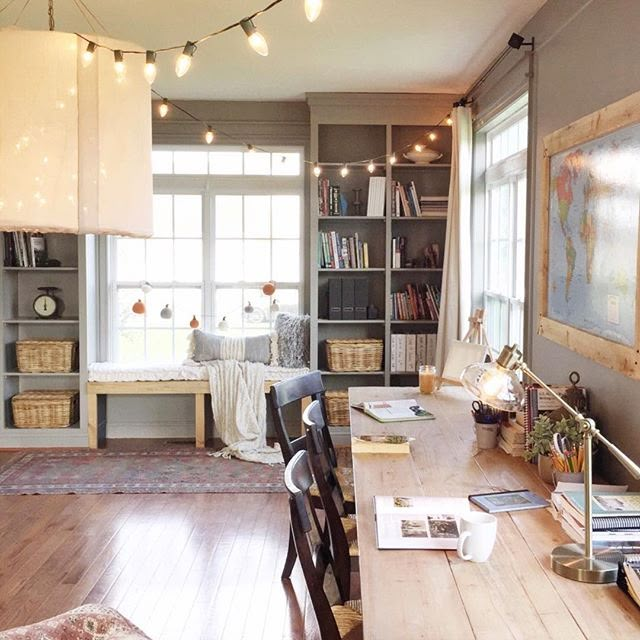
239, 410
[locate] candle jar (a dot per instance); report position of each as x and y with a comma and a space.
427, 378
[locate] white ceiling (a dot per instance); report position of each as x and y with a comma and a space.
355, 45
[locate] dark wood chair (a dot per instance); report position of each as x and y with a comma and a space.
337, 621
342, 529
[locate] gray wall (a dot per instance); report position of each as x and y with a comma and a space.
587, 56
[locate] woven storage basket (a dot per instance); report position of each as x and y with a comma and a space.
45, 409
46, 356
337, 406
354, 354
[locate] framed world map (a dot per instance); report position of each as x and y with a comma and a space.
590, 226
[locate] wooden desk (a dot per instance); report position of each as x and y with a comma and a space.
410, 595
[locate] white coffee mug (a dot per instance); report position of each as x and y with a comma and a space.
477, 536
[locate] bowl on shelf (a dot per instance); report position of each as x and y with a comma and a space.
426, 156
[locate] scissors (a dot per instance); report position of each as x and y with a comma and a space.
478, 407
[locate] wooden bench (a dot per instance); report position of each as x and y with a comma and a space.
198, 388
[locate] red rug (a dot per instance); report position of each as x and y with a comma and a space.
163, 471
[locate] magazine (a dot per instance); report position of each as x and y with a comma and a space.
418, 522
395, 410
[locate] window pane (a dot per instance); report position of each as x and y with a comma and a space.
257, 216
126, 316
228, 216
286, 261
287, 300
286, 217
225, 163
257, 164
188, 303
131, 346
285, 164
181, 344
162, 161
188, 216
257, 260
159, 261
228, 303
162, 216
258, 320
228, 261
159, 345
130, 256
155, 301
187, 255
190, 162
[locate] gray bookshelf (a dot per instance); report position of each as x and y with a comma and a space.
76, 279
359, 131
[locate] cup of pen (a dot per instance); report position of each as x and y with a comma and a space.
567, 460
486, 424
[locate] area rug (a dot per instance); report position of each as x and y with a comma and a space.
163, 471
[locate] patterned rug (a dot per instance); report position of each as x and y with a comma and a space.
163, 471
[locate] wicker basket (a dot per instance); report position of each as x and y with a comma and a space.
45, 409
46, 356
337, 406
354, 355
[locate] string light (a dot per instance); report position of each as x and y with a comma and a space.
312, 9
209, 136
371, 167
251, 148
256, 39
118, 63
183, 61
344, 171
88, 54
432, 136
317, 169
418, 147
393, 159
449, 121
150, 70
163, 109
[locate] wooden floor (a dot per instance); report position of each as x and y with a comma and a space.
182, 567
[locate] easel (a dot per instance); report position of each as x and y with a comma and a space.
476, 333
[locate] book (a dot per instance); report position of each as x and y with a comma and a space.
395, 410
499, 501
418, 522
375, 198
629, 575
610, 511
381, 444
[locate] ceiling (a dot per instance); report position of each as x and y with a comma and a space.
355, 45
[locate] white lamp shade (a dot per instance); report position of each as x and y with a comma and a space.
494, 385
75, 142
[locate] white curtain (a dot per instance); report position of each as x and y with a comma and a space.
455, 304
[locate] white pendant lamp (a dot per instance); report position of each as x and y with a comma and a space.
75, 140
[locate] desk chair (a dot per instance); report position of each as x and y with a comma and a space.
339, 621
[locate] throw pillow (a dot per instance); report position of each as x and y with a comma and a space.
293, 340
209, 346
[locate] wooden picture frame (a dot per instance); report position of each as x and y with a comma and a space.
590, 198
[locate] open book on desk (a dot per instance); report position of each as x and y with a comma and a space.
418, 522
394, 410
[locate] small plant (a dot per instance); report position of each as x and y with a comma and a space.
541, 436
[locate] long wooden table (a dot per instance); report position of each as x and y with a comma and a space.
410, 595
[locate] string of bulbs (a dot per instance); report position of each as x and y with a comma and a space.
256, 40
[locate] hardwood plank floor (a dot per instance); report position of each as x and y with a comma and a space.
182, 567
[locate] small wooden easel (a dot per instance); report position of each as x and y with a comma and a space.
476, 333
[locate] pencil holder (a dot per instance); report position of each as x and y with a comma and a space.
487, 434
563, 476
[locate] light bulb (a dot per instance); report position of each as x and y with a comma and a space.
183, 61
256, 39
87, 56
344, 171
393, 159
118, 63
317, 169
163, 109
312, 9
449, 121
433, 136
209, 136
371, 167
418, 147
150, 70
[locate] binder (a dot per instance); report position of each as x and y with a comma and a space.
348, 298
335, 299
361, 298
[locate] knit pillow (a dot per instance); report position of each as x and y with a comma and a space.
209, 346
293, 340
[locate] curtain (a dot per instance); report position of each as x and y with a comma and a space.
455, 303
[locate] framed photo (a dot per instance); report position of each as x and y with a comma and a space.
38, 246
508, 501
590, 224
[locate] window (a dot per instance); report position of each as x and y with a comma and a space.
225, 222
504, 218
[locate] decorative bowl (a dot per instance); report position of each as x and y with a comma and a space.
426, 156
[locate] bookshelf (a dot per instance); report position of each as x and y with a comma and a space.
338, 136
19, 285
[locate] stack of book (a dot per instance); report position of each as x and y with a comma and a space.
405, 202
410, 350
616, 514
511, 438
23, 249
340, 252
629, 576
433, 206
418, 302
330, 202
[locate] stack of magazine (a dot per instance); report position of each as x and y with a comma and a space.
629, 576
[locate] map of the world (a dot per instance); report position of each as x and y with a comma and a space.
594, 208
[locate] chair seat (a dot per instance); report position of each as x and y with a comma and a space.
351, 531
349, 621
345, 478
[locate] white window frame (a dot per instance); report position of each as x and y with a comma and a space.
209, 186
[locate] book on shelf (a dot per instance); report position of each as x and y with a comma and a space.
396, 444
336, 251
330, 201
417, 302
22, 249
433, 206
418, 522
376, 196
398, 252
395, 410
410, 350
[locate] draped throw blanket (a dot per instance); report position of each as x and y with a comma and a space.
239, 410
